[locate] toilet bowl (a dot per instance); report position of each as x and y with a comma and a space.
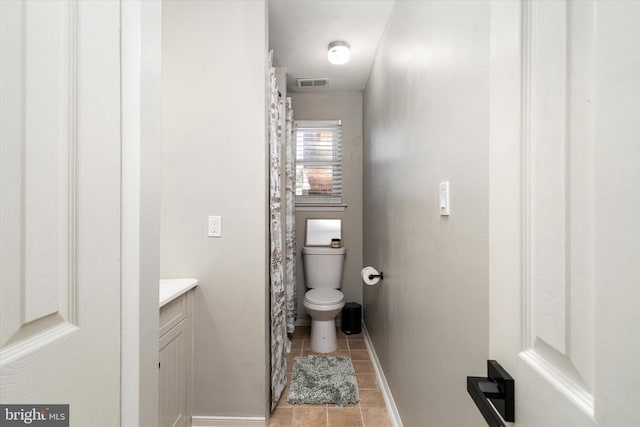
323, 305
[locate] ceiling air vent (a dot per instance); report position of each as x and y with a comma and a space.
307, 83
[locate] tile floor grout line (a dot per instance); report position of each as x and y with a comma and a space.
359, 400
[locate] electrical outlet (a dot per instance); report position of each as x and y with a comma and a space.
215, 226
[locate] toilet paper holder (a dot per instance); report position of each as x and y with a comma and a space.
371, 276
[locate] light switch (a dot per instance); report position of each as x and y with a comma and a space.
215, 226
444, 198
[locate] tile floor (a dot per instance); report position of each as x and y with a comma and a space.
369, 412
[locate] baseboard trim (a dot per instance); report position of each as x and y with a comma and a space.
207, 421
303, 322
389, 402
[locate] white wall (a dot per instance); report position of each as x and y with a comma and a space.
214, 163
345, 106
426, 121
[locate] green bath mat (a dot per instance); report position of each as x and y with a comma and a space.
323, 379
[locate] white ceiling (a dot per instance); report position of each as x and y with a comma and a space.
301, 30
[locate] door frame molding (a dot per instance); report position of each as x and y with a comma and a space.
141, 66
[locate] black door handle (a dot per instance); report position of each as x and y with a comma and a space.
497, 387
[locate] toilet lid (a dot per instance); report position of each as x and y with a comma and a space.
324, 296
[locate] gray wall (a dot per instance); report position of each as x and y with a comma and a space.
214, 163
426, 121
345, 106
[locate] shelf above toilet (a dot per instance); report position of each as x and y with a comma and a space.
320, 231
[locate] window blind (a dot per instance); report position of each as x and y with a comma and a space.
319, 161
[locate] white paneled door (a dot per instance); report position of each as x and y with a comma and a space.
565, 209
60, 206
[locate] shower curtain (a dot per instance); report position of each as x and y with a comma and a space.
282, 287
290, 223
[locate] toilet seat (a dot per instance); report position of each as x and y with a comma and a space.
324, 296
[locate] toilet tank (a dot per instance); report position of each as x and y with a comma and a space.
323, 267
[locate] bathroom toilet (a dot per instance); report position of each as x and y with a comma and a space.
323, 267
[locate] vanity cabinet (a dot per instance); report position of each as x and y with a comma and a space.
175, 365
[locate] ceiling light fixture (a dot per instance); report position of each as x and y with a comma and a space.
338, 53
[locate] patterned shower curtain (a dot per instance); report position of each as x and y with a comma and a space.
279, 340
290, 222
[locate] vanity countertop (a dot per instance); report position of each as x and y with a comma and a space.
171, 289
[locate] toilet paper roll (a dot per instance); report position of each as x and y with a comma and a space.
368, 271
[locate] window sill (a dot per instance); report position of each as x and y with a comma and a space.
320, 207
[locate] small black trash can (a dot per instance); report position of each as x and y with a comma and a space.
352, 318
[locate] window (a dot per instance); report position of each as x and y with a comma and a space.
319, 162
